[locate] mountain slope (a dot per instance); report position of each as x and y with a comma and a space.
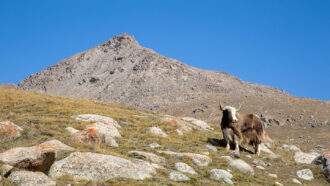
120, 70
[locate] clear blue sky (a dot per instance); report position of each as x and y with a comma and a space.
281, 43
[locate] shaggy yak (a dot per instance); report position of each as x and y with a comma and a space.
237, 129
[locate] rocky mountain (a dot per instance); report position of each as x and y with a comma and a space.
120, 70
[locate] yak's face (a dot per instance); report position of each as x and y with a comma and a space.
230, 113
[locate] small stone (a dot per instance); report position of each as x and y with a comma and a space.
183, 167
259, 162
178, 177
179, 132
305, 174
260, 167
294, 180
272, 175
291, 147
154, 145
248, 156
278, 183
236, 154
211, 147
157, 131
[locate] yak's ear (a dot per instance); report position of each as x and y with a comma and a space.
220, 106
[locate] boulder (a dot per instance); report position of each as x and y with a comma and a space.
198, 159
27, 178
96, 118
305, 158
148, 156
178, 177
35, 158
98, 132
183, 167
239, 165
220, 174
157, 131
305, 174
9, 131
94, 166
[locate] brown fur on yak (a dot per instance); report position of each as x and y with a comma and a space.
237, 128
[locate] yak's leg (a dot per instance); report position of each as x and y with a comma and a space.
226, 137
237, 142
257, 149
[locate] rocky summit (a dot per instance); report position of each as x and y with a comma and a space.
120, 70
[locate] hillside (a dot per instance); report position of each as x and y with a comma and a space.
45, 117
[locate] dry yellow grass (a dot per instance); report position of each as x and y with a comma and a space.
45, 117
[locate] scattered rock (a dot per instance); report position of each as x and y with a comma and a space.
9, 131
93, 166
198, 159
305, 158
157, 131
305, 174
154, 145
35, 158
27, 178
278, 183
178, 177
5, 170
199, 123
236, 154
272, 175
148, 156
294, 180
211, 147
179, 132
259, 162
96, 118
239, 165
183, 167
220, 174
260, 167
291, 147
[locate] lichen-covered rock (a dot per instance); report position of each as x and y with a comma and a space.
98, 132
305, 174
35, 158
94, 166
27, 178
305, 158
148, 156
9, 131
183, 167
157, 131
198, 159
178, 177
96, 118
182, 126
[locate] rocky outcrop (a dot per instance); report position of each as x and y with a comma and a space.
27, 178
35, 158
9, 131
198, 159
93, 166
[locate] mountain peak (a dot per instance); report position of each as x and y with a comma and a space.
123, 39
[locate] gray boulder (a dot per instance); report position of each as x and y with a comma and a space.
178, 177
239, 165
93, 166
220, 174
27, 178
183, 167
305, 174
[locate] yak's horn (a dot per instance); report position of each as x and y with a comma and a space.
220, 106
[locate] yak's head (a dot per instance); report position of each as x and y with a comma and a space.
230, 113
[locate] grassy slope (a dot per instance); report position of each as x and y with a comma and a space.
45, 117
